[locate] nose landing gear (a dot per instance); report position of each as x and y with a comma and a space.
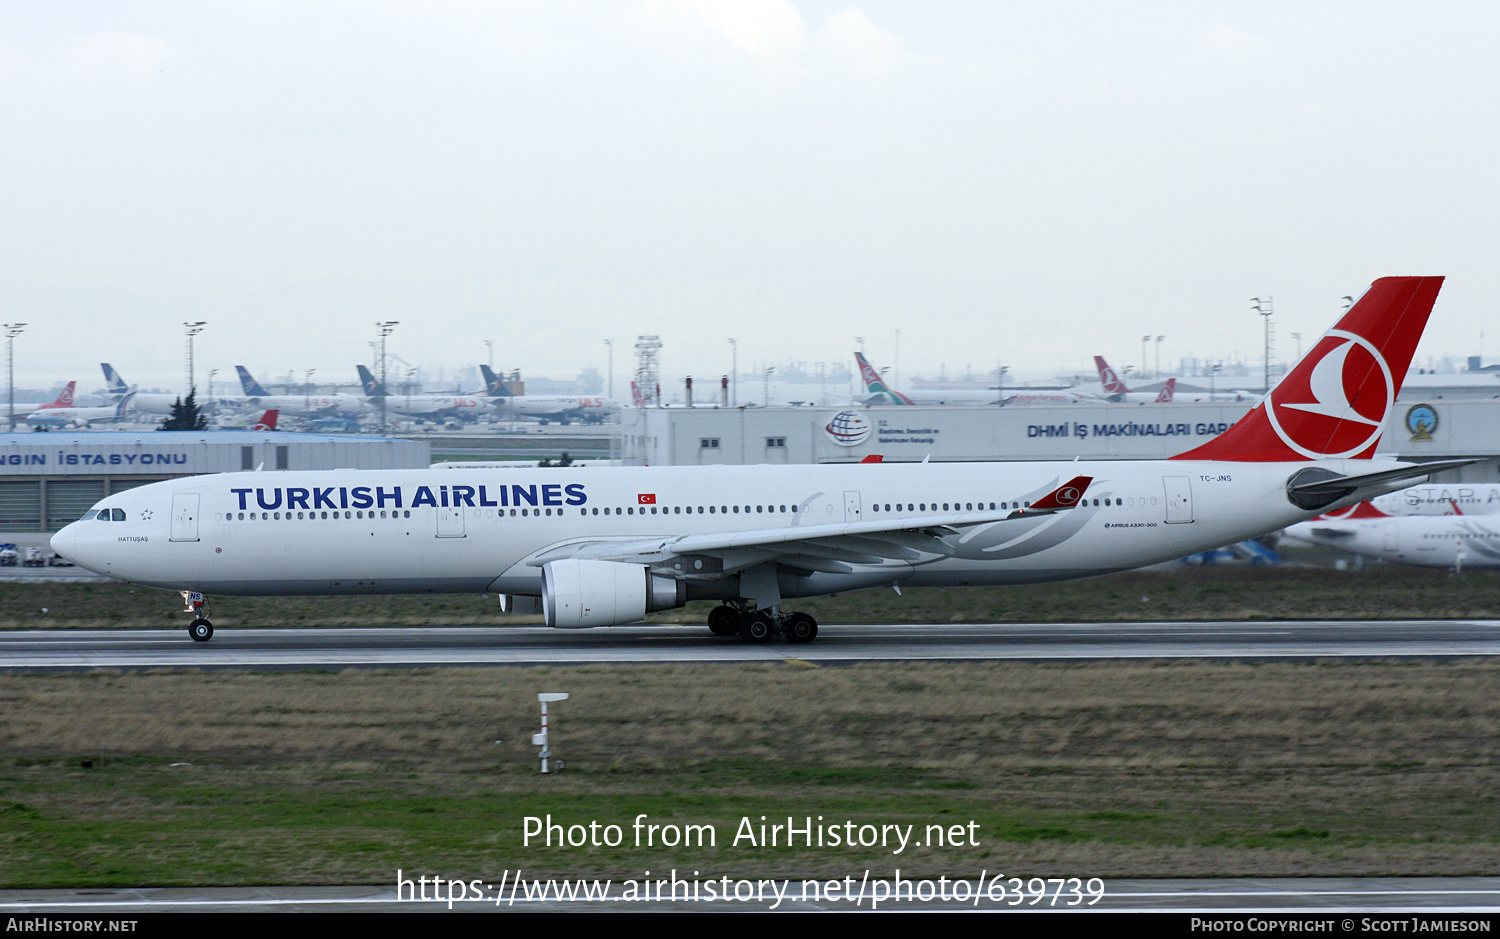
200, 629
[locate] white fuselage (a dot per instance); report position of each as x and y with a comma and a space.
433, 407
305, 405
930, 396
75, 417
1424, 541
554, 407
412, 531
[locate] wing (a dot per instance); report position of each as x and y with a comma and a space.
837, 548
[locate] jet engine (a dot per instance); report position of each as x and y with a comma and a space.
578, 593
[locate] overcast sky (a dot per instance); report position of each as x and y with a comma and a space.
1025, 183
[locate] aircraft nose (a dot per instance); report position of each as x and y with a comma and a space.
65, 542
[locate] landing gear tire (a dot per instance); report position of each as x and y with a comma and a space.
201, 630
799, 627
757, 627
723, 621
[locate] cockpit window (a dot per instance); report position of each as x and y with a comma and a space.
117, 515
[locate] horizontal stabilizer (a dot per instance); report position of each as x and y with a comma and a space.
1315, 488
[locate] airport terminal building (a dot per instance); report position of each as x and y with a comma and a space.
1417, 430
50, 479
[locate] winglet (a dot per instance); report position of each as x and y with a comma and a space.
1066, 496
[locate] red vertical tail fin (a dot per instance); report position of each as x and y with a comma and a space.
1168, 392
1109, 378
64, 399
1361, 510
1334, 403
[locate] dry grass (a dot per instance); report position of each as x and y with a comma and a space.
1184, 769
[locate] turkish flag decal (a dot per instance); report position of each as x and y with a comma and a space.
646, 498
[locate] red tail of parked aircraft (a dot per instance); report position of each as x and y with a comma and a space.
267, 420
64, 400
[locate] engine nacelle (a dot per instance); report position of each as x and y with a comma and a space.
578, 593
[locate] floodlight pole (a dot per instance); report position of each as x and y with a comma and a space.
12, 330
1265, 311
734, 370
610, 343
386, 329
193, 329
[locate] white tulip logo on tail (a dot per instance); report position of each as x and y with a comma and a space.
1339, 409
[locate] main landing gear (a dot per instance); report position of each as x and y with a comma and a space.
200, 628
762, 625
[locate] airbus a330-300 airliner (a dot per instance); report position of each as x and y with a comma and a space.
606, 546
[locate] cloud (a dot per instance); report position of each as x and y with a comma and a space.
1223, 45
775, 32
94, 60
850, 41
767, 27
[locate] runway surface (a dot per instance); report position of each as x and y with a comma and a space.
391, 647
1301, 896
